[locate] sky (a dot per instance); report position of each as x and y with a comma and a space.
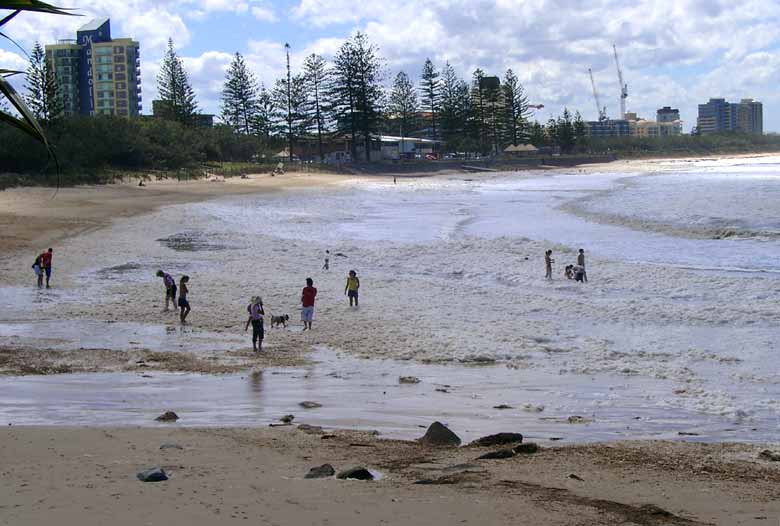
675, 53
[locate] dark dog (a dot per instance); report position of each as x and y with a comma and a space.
279, 320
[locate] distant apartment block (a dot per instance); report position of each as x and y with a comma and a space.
608, 128
667, 123
719, 116
97, 75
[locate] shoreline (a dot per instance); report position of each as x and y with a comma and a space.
88, 476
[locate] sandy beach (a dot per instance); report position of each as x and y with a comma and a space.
452, 299
238, 476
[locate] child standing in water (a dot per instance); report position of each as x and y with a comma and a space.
256, 313
326, 266
352, 286
548, 261
184, 303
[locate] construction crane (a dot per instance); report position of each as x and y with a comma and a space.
602, 111
623, 85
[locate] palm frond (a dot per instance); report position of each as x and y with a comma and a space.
9, 72
32, 5
27, 121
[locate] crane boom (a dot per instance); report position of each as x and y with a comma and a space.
602, 113
623, 85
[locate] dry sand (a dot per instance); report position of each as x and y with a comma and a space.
82, 477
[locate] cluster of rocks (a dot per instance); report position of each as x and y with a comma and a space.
327, 471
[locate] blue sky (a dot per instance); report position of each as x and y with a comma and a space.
674, 53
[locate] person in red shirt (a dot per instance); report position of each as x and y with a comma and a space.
46, 264
307, 302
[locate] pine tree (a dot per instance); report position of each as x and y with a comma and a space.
537, 135
239, 97
580, 131
356, 91
454, 109
565, 132
516, 112
402, 105
315, 74
289, 103
42, 94
430, 88
266, 109
173, 86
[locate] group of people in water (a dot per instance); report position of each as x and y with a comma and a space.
576, 272
255, 310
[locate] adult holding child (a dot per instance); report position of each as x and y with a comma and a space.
307, 303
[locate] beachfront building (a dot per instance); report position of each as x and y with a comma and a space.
95, 74
667, 123
719, 116
608, 128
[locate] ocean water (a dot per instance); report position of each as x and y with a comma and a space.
691, 345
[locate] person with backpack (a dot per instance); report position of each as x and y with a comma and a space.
36, 266
256, 313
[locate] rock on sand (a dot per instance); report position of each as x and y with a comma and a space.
498, 439
320, 472
152, 475
439, 435
168, 416
358, 473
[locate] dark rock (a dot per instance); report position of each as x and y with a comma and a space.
575, 477
687, 434
320, 472
168, 416
503, 406
498, 439
526, 449
408, 380
439, 435
171, 446
312, 430
310, 405
497, 455
454, 478
769, 455
356, 474
152, 475
576, 419
287, 419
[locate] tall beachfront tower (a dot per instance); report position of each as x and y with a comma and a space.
97, 75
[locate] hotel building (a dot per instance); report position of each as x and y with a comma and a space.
97, 75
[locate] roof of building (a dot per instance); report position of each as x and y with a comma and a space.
94, 24
393, 138
521, 148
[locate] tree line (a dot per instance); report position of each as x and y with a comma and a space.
347, 95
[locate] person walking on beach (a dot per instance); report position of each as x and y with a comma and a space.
548, 261
581, 263
326, 266
170, 288
352, 286
256, 313
36, 266
45, 260
184, 303
307, 302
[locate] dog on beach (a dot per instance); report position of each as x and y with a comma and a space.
280, 320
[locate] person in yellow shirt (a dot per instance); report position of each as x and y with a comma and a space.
352, 286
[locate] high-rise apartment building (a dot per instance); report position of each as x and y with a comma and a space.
667, 114
97, 75
719, 116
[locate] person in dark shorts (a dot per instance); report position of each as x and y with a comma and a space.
581, 263
170, 288
256, 313
307, 303
351, 288
548, 263
184, 303
46, 258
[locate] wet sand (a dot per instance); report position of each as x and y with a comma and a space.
87, 477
